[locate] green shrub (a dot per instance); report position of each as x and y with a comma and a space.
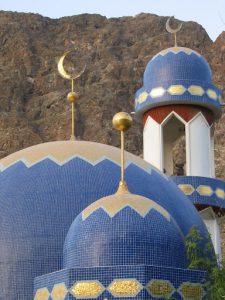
200, 257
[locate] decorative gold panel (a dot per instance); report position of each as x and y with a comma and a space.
212, 94
196, 90
191, 291
59, 291
157, 92
87, 289
204, 190
187, 189
125, 287
176, 90
160, 288
220, 193
142, 97
42, 294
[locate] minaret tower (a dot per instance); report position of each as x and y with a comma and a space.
179, 99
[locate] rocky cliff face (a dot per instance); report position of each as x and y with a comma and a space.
33, 106
33, 102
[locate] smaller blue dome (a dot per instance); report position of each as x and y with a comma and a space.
124, 229
178, 75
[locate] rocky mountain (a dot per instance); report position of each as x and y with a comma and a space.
33, 105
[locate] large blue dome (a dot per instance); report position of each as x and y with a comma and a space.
124, 229
44, 187
178, 75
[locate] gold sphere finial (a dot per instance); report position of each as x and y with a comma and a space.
122, 121
72, 97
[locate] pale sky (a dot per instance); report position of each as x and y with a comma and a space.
209, 13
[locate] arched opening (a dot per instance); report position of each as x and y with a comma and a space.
174, 147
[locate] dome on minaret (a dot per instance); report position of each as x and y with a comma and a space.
178, 75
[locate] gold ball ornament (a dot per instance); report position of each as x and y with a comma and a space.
122, 121
72, 97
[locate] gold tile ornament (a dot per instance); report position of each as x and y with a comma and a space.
115, 203
212, 94
220, 193
192, 291
176, 50
125, 287
42, 294
59, 291
187, 189
62, 152
157, 92
160, 288
142, 97
176, 89
204, 190
87, 289
196, 90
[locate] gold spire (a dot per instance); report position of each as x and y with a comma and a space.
72, 96
173, 31
122, 121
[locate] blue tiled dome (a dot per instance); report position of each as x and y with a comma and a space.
124, 229
44, 187
178, 75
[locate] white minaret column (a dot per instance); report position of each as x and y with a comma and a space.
199, 158
159, 139
153, 143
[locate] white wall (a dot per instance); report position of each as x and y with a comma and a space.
213, 227
212, 151
168, 158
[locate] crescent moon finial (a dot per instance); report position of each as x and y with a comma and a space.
173, 31
72, 96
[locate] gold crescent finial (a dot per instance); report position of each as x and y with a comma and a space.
173, 31
122, 121
64, 73
72, 96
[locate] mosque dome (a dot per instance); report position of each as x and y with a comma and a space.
44, 187
124, 229
178, 75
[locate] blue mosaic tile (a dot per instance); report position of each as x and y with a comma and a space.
105, 275
125, 239
39, 203
196, 197
183, 69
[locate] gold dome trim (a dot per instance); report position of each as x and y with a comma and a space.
62, 152
115, 203
176, 50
